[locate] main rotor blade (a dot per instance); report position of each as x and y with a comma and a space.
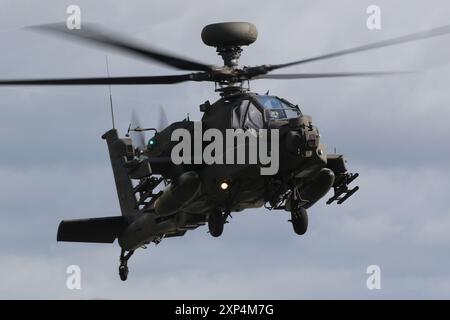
98, 81
93, 34
326, 75
381, 44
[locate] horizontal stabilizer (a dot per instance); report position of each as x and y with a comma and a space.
100, 230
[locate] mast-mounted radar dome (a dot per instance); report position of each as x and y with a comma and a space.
229, 34
228, 37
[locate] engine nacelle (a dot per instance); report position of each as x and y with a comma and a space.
322, 183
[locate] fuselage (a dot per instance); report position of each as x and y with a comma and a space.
299, 153
198, 187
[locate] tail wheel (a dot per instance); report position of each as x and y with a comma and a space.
123, 268
215, 223
123, 272
299, 220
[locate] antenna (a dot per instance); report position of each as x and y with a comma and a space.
110, 94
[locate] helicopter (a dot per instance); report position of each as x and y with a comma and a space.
160, 198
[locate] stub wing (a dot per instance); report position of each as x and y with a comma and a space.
342, 192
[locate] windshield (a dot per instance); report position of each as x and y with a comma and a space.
277, 108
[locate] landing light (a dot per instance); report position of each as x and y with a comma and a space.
224, 185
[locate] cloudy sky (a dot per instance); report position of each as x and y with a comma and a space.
394, 131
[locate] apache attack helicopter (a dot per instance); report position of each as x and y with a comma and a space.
191, 195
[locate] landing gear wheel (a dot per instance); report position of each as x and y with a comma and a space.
123, 272
299, 220
216, 221
123, 268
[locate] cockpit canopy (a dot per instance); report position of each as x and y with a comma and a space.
257, 113
276, 108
